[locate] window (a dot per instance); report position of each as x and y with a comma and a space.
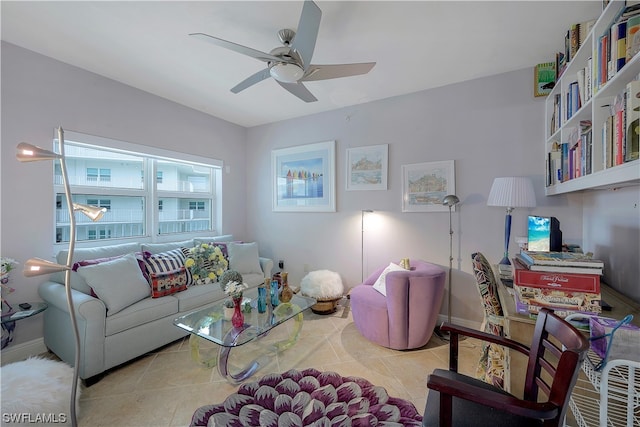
117, 176
98, 174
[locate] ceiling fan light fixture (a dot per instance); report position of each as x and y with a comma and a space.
286, 73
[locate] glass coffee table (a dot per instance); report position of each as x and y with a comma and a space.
209, 324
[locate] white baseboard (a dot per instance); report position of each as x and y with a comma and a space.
15, 353
458, 321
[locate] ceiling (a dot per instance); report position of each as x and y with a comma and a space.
417, 45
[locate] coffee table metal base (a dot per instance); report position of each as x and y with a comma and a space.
222, 358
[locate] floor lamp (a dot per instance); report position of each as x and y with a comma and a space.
37, 267
364, 211
450, 200
511, 192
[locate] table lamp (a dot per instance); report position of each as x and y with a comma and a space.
511, 192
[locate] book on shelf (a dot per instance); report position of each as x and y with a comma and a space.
632, 110
633, 37
618, 113
607, 142
575, 259
544, 78
559, 268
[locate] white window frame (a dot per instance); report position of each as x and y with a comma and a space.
149, 191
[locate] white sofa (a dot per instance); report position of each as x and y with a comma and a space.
110, 339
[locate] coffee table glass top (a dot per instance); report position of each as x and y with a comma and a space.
209, 323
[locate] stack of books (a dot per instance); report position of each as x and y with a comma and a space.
567, 282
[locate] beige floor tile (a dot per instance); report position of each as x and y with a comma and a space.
166, 386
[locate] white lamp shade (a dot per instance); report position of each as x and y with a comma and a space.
512, 192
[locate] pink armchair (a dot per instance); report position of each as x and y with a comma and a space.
407, 316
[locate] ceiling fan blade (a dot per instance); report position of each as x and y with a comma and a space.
299, 90
262, 56
304, 41
251, 80
325, 72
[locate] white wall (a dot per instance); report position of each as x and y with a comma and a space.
491, 127
611, 222
39, 94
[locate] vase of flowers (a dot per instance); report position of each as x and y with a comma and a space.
234, 290
206, 263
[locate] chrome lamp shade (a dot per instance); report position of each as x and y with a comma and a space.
510, 193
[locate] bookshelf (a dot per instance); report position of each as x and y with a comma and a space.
563, 128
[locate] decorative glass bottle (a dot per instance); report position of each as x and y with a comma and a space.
262, 298
274, 293
286, 293
237, 320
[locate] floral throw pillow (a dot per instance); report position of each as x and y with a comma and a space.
205, 262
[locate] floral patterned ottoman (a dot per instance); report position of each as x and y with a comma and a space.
309, 398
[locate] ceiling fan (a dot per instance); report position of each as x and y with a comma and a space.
290, 65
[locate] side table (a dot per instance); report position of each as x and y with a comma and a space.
9, 320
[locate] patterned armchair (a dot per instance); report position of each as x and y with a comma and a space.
492, 362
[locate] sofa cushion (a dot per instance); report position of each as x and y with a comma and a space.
156, 248
118, 283
197, 296
77, 282
139, 256
381, 285
168, 283
243, 257
140, 313
166, 262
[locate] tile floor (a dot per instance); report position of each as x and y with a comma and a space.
165, 387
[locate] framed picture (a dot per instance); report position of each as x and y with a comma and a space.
304, 178
424, 185
544, 78
367, 167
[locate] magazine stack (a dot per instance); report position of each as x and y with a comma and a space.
567, 282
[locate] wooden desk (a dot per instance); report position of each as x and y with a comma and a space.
520, 328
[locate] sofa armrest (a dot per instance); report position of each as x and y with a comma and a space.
91, 316
86, 306
267, 265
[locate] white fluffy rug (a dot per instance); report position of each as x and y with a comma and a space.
322, 284
36, 391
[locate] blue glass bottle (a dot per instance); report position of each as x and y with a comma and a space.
262, 299
274, 293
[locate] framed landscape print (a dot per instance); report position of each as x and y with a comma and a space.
367, 167
424, 185
304, 178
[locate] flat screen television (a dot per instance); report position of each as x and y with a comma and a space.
544, 234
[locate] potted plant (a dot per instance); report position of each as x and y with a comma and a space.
228, 309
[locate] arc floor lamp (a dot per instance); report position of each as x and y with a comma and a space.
450, 201
37, 267
364, 211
